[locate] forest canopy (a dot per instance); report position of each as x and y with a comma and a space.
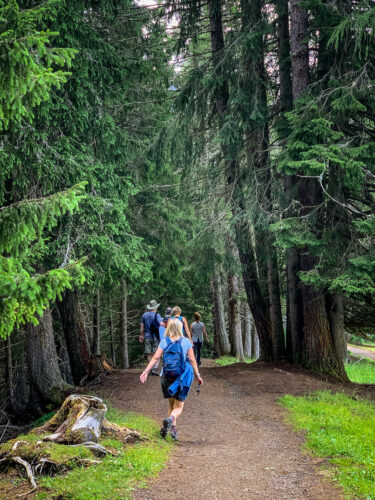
215, 155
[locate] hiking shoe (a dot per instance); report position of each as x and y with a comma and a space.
167, 424
173, 433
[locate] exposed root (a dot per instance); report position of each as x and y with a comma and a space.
42, 463
15, 446
29, 472
96, 448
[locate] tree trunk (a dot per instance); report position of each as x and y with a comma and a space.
10, 379
96, 323
111, 333
221, 336
41, 355
299, 48
245, 247
300, 80
247, 331
74, 329
318, 352
278, 342
124, 327
294, 328
335, 304
234, 318
255, 345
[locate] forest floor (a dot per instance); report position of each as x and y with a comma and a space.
233, 441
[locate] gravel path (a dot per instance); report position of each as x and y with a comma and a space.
233, 440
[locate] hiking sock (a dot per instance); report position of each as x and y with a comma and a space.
173, 432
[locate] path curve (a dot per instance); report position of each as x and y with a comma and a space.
362, 351
233, 440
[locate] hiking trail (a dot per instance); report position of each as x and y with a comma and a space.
233, 441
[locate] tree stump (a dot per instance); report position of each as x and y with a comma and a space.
80, 420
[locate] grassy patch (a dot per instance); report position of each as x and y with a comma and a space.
361, 372
342, 430
230, 360
114, 477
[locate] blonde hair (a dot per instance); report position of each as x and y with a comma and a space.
174, 329
176, 311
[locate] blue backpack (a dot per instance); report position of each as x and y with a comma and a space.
173, 359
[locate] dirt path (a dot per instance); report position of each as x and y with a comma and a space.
233, 441
362, 351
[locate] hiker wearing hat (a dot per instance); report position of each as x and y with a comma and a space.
164, 324
179, 368
149, 333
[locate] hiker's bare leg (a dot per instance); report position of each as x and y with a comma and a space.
170, 408
177, 409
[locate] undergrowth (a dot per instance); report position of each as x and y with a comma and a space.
361, 371
342, 430
114, 477
230, 360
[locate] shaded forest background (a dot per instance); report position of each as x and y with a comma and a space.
215, 155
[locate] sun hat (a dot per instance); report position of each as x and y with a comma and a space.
153, 304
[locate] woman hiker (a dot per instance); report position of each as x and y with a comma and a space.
177, 374
176, 313
198, 329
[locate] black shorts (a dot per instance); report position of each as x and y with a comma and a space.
165, 384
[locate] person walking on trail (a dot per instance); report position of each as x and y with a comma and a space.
198, 329
163, 325
177, 374
149, 331
176, 313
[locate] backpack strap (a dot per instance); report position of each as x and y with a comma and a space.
168, 340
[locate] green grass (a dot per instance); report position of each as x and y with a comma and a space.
114, 477
230, 360
342, 430
361, 372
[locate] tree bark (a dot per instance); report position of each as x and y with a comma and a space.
96, 323
278, 342
300, 80
318, 351
247, 331
10, 379
335, 304
234, 318
124, 327
74, 329
255, 345
111, 333
41, 355
221, 336
299, 48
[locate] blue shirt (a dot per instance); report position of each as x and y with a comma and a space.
185, 344
147, 318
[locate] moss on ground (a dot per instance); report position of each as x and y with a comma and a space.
342, 430
230, 360
114, 477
